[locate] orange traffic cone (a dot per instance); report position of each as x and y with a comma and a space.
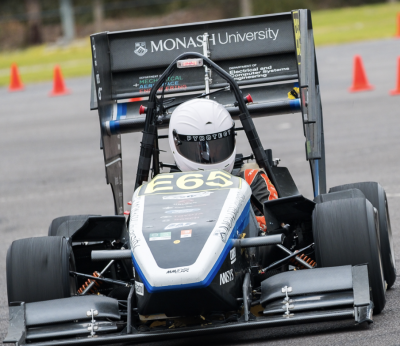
58, 83
397, 90
15, 80
398, 26
360, 81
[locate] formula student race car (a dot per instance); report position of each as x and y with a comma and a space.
191, 258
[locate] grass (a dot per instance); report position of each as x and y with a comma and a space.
353, 24
36, 64
330, 27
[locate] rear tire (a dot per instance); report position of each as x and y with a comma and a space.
345, 233
375, 193
38, 269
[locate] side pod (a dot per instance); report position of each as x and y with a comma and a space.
333, 288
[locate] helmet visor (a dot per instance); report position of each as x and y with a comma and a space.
207, 149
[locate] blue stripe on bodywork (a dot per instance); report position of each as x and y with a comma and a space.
238, 229
121, 110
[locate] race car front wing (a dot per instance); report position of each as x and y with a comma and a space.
307, 296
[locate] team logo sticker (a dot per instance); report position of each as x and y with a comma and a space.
177, 271
179, 225
186, 233
140, 48
233, 255
160, 236
226, 277
139, 288
189, 195
182, 211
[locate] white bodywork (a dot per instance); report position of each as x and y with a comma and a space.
238, 200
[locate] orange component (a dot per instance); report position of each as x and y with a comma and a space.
304, 258
87, 283
135, 99
261, 223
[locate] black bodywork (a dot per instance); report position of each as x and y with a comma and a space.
282, 297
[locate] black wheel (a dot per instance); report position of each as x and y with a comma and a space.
377, 196
38, 269
345, 232
66, 226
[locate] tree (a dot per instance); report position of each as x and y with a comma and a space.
246, 8
34, 22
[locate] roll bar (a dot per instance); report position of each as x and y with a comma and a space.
150, 143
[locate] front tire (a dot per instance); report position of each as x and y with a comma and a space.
38, 269
345, 233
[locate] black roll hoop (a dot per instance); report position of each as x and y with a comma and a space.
150, 127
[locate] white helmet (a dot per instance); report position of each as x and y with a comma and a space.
201, 136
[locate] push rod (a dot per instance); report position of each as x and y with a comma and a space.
282, 261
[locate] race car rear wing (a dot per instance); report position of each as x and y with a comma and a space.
272, 56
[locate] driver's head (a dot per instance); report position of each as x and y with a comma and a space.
201, 136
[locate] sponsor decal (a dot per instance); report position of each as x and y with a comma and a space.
296, 26
252, 71
177, 241
134, 272
140, 48
186, 217
134, 223
185, 202
209, 137
186, 233
219, 38
179, 225
176, 271
182, 211
160, 236
229, 218
189, 195
233, 255
139, 288
226, 277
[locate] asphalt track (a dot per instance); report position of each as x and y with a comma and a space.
51, 165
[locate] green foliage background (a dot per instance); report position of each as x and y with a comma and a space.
119, 8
